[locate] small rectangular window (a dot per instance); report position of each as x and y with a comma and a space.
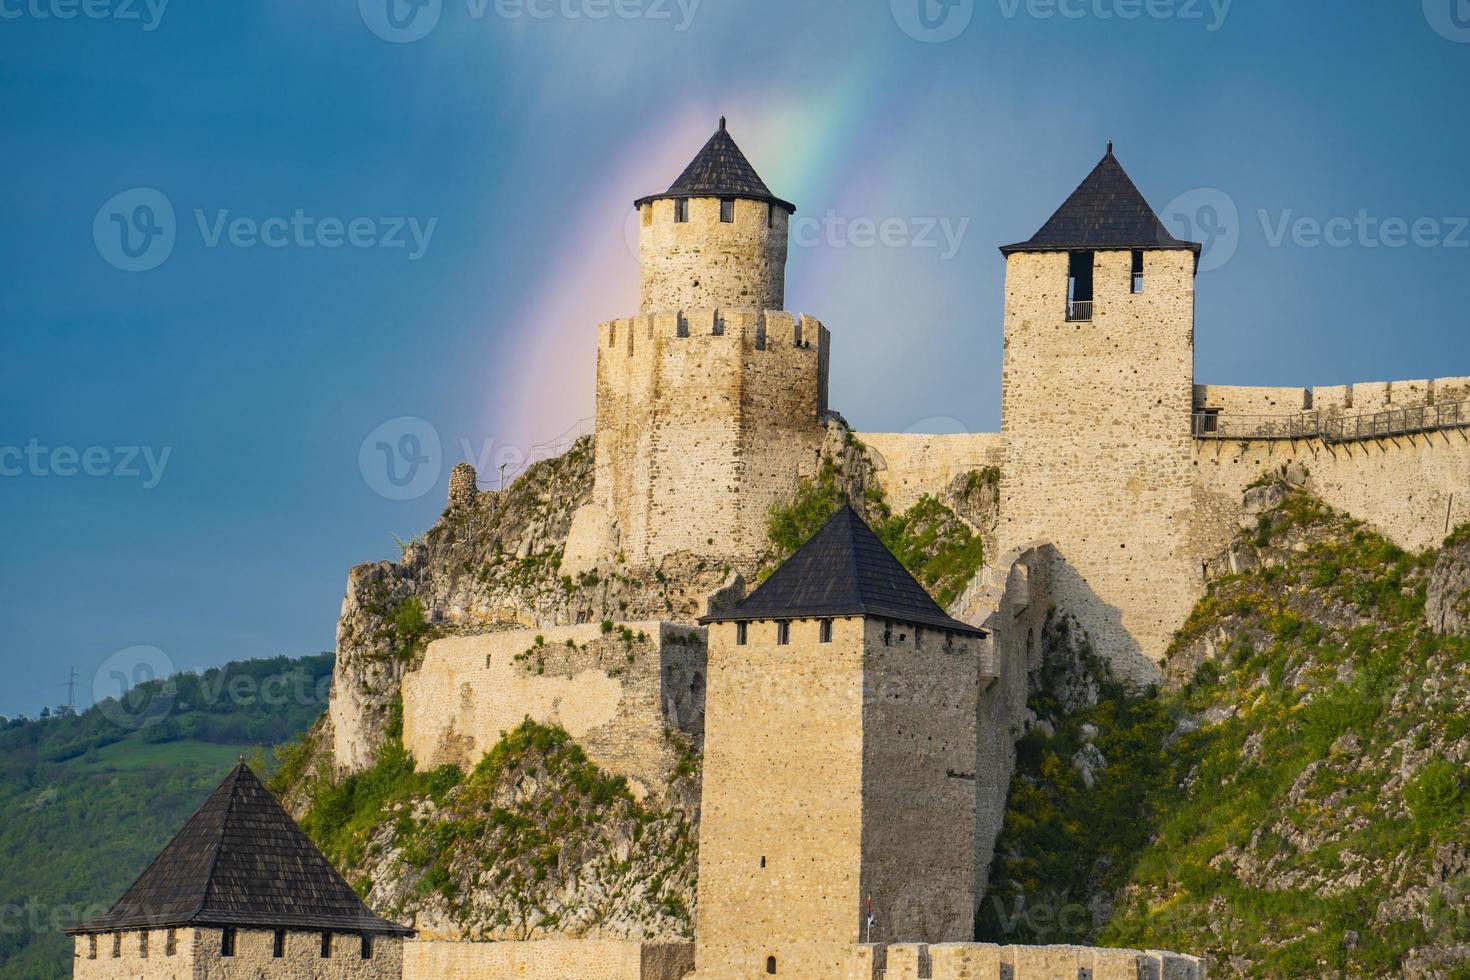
741, 634
1079, 286
770, 215
1137, 270
888, 634
326, 945
227, 941
92, 946
278, 945
681, 210
116, 945
727, 209
783, 633
918, 637
143, 944
824, 631
171, 944
367, 946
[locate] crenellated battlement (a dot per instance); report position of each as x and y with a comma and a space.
755, 330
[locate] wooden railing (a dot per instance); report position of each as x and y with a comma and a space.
1314, 425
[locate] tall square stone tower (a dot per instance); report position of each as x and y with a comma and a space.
710, 401
839, 774
1097, 394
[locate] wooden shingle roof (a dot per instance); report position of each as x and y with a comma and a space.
843, 570
1105, 212
719, 169
240, 860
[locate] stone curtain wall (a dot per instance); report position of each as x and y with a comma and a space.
920, 695
781, 813
579, 959
613, 697
705, 262
700, 432
981, 961
198, 956
1096, 418
1332, 401
910, 465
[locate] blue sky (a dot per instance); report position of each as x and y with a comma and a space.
183, 447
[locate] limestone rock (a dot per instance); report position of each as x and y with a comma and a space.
1447, 601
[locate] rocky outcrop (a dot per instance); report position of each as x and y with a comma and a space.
1447, 600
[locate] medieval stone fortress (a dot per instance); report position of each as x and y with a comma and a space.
858, 739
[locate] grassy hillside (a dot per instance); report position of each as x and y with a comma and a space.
89, 802
1294, 804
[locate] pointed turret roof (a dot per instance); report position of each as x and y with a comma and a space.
1106, 211
719, 170
843, 570
240, 860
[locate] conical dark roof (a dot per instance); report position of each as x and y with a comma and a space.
1106, 211
843, 570
719, 170
240, 860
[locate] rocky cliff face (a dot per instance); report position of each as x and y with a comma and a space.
1447, 602
491, 562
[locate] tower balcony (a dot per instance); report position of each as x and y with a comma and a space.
1079, 310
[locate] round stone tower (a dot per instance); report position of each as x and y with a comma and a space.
716, 239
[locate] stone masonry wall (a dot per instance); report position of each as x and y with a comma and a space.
982, 961
708, 263
910, 465
1096, 419
615, 697
781, 825
197, 957
705, 419
578, 959
920, 697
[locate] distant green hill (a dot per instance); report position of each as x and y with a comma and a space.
89, 801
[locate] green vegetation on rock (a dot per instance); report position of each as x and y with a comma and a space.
1294, 805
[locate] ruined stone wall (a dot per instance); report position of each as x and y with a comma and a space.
1010, 598
918, 767
614, 695
1096, 419
781, 813
911, 465
982, 961
706, 263
705, 420
552, 959
197, 956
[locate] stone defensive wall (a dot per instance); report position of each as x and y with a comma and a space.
1393, 454
614, 692
705, 419
552, 959
911, 465
1011, 598
708, 262
982, 961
